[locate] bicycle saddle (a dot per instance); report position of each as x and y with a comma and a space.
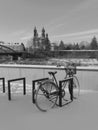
52, 73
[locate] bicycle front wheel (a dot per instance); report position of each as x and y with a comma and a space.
46, 96
76, 87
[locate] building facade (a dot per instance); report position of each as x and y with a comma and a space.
41, 42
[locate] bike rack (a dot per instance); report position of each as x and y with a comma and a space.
9, 86
3, 83
60, 90
70, 79
33, 87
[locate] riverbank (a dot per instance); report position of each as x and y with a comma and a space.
54, 61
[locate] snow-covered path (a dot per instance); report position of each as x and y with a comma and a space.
21, 114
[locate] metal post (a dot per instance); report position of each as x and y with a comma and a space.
9, 87
33, 87
3, 85
71, 88
60, 93
33, 91
24, 86
9, 91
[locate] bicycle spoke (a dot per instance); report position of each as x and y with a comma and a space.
45, 99
52, 98
41, 94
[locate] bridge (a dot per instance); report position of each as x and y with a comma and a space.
5, 51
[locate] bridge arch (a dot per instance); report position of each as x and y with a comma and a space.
7, 49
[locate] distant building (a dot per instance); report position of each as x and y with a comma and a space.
53, 46
41, 42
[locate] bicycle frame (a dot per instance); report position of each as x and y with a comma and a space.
55, 80
69, 73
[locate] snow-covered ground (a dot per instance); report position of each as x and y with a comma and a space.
53, 61
80, 62
21, 114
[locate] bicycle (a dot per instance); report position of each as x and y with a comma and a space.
47, 93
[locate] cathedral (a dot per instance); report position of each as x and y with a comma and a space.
41, 42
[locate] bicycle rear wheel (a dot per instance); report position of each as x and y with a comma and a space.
46, 96
76, 87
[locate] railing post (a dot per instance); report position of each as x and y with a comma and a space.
3, 85
24, 86
33, 91
71, 88
60, 93
9, 91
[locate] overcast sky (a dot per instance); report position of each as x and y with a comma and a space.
68, 20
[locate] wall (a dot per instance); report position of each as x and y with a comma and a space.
88, 76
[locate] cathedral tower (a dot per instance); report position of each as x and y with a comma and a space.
35, 33
43, 33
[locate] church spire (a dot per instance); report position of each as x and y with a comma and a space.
43, 32
35, 32
47, 35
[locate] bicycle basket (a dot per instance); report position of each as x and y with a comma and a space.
71, 70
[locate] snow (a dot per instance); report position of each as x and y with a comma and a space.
21, 114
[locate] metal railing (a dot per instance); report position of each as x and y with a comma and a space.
3, 84
34, 87
14, 80
70, 80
